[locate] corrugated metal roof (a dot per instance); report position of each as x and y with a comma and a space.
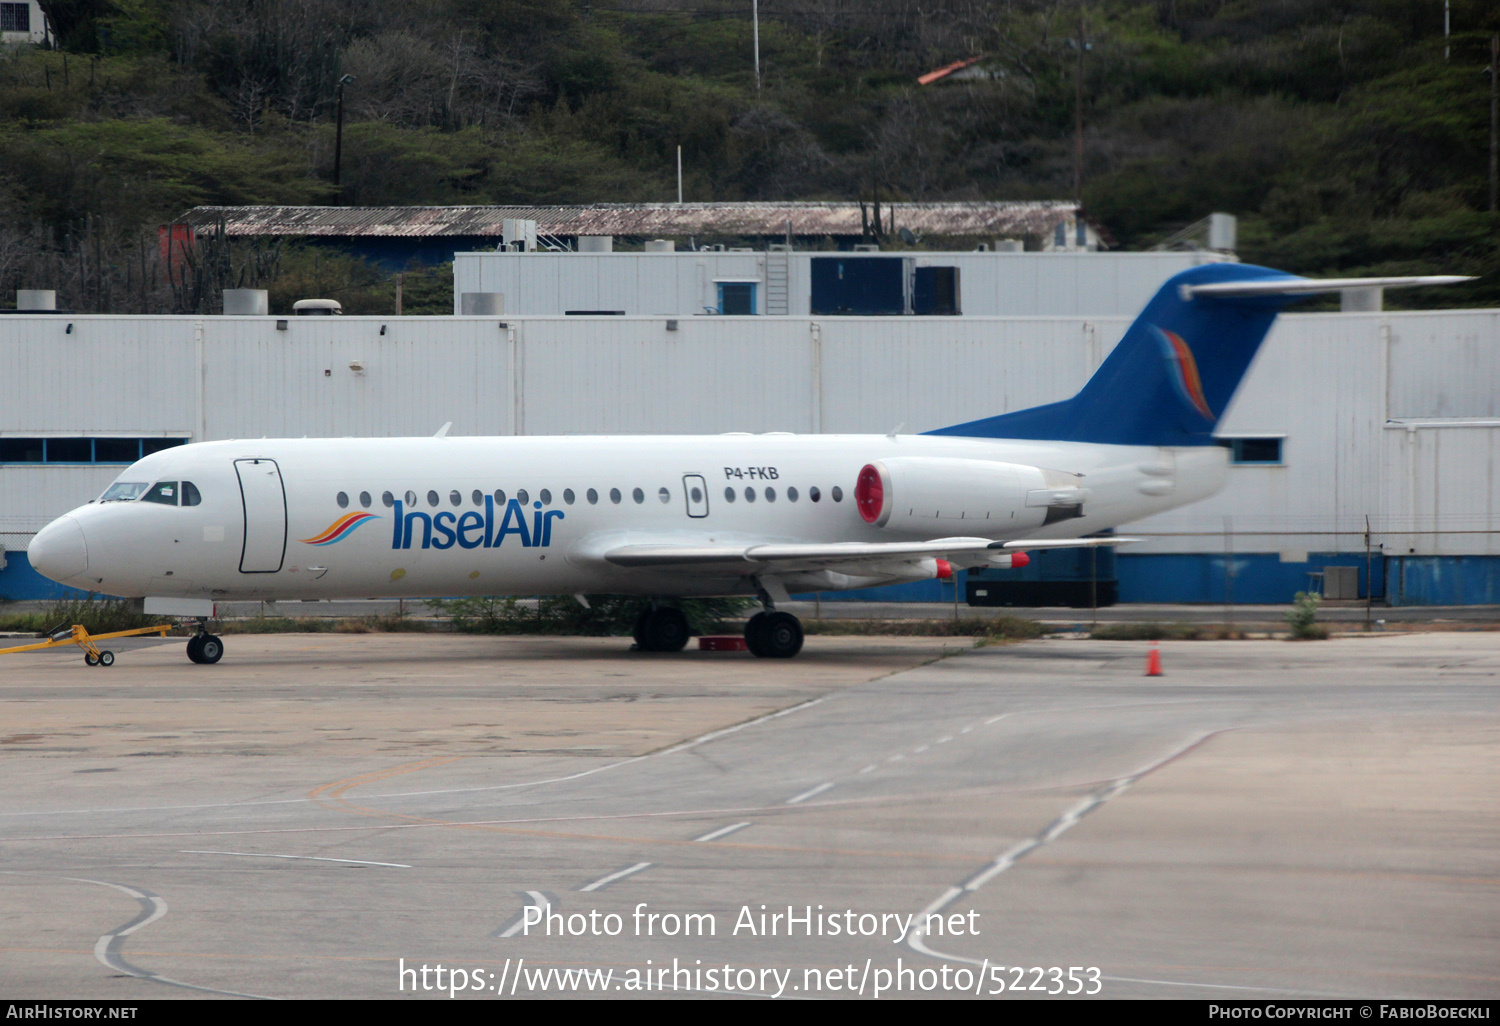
961, 219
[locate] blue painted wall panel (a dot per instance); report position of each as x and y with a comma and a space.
20, 583
1443, 580
1259, 578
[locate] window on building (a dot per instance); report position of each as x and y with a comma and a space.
1060, 235
150, 445
1261, 451
117, 450
736, 297
82, 450
15, 17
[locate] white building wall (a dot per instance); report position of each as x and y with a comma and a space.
37, 32
682, 284
1321, 380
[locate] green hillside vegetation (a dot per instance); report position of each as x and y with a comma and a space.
1337, 131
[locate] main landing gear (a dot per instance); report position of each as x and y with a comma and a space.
204, 647
770, 634
662, 629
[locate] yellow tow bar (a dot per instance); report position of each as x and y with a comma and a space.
92, 653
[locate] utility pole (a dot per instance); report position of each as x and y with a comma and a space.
755, 23
400, 281
1078, 115
679, 172
338, 143
1494, 117
1447, 24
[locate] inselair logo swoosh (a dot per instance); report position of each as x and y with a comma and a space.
340, 529
1183, 370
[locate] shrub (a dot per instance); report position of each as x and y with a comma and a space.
1302, 617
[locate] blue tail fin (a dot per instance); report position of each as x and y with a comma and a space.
1171, 377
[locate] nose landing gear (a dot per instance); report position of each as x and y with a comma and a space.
204, 647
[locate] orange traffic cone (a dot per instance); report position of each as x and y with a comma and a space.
1153, 662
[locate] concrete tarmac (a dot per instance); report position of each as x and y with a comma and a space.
315, 814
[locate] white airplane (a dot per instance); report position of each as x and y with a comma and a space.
678, 516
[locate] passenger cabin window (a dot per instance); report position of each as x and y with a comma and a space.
164, 492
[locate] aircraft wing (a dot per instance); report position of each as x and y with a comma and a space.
793, 557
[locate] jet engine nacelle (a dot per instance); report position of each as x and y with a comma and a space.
980, 496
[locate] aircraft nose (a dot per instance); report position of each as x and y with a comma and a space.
58, 551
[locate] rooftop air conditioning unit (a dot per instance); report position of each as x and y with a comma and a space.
317, 307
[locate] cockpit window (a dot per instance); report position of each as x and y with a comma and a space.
124, 491
190, 496
164, 492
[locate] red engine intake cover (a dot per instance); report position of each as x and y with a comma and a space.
869, 494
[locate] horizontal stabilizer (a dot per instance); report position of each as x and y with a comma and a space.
1310, 286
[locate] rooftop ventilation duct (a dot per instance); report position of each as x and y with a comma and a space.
36, 299
247, 303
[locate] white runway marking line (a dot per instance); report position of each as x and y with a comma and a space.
305, 858
714, 835
1056, 828
107, 948
605, 881
809, 793
539, 900
868, 769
